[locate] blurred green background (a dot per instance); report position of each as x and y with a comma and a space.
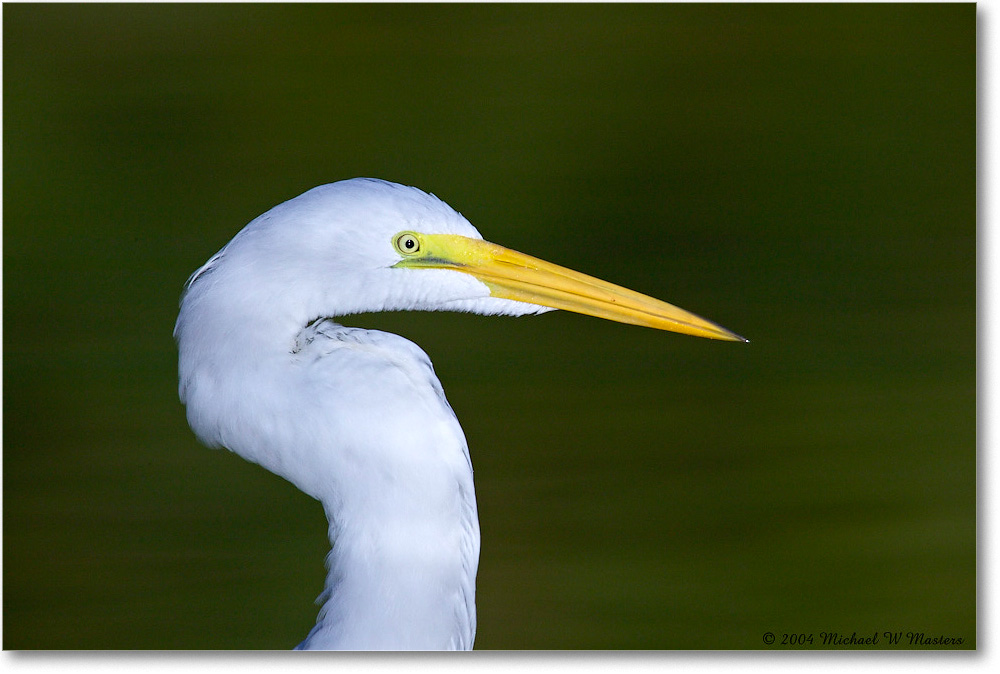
804, 175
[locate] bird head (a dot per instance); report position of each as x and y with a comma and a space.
366, 245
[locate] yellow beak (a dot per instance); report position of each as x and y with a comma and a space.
515, 276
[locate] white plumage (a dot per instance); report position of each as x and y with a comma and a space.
357, 418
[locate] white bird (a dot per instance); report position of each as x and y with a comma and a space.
357, 418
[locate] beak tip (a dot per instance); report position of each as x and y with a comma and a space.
733, 337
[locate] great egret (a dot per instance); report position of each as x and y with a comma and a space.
357, 418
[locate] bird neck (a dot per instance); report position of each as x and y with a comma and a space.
375, 441
401, 574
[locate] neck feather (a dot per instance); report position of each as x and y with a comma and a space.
401, 577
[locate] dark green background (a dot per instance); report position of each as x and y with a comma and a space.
804, 175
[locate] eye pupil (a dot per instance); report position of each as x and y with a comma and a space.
409, 244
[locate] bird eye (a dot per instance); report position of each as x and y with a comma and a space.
407, 243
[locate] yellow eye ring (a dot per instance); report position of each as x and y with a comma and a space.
406, 243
